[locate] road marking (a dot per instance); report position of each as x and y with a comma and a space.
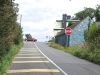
30, 62
33, 70
28, 54
30, 57
28, 50
51, 60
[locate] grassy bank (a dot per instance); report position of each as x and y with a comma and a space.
7, 58
80, 51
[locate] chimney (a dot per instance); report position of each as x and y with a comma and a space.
68, 17
64, 19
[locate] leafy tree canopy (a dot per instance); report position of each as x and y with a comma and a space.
97, 13
84, 13
10, 30
89, 12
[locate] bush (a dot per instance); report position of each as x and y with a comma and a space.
6, 59
92, 37
19, 37
81, 52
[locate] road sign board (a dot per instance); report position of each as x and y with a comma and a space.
68, 31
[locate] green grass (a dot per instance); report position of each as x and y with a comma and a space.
80, 51
7, 58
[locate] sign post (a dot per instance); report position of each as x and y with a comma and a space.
68, 32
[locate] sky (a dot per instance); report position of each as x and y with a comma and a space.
39, 16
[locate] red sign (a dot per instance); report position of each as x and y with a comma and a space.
68, 31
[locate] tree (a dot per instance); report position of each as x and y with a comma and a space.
84, 13
9, 28
97, 13
70, 23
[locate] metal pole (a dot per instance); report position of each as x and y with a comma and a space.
68, 40
20, 19
89, 23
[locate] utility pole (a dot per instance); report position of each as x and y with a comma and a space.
20, 19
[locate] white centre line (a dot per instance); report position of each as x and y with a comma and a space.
51, 60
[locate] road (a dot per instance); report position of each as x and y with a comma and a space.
40, 59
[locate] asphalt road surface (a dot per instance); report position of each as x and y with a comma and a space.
40, 59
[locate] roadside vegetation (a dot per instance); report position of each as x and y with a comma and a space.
6, 59
10, 33
80, 51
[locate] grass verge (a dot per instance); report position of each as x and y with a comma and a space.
7, 58
80, 51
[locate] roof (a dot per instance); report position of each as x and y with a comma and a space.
58, 28
68, 20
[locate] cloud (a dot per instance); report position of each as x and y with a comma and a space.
39, 16
38, 29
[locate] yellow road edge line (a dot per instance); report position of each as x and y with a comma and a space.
28, 54
29, 57
30, 51
30, 62
32, 70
